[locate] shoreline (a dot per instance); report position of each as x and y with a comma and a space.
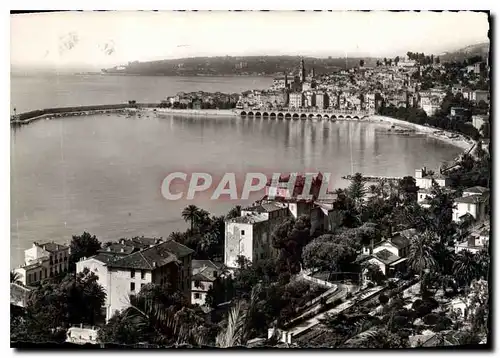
432, 132
454, 139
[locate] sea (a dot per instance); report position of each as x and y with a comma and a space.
103, 173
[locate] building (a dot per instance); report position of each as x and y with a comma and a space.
474, 202
430, 104
321, 100
295, 100
42, 261
249, 235
82, 335
205, 272
478, 120
474, 243
424, 179
122, 275
459, 113
479, 95
387, 261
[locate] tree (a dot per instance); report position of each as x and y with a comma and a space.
191, 213
234, 212
466, 267
408, 189
290, 237
420, 258
157, 315
85, 245
357, 189
323, 254
53, 307
239, 322
361, 63
15, 277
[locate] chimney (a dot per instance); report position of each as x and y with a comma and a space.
122, 241
122, 250
154, 264
109, 248
371, 246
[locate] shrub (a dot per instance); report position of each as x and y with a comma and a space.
391, 284
443, 323
383, 299
338, 301
349, 295
370, 285
431, 319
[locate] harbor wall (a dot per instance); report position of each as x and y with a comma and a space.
28, 117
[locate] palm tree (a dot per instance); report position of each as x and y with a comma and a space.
15, 277
466, 267
159, 317
190, 213
237, 329
421, 255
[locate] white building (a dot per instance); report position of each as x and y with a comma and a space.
475, 242
205, 272
82, 335
424, 178
125, 275
250, 234
474, 202
42, 261
295, 100
478, 120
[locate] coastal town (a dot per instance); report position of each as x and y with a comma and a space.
407, 256
395, 258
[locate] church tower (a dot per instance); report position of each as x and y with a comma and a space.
302, 70
286, 80
312, 73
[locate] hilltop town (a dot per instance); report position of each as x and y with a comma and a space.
417, 88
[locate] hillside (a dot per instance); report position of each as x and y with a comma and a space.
481, 49
234, 66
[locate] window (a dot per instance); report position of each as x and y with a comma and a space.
242, 232
132, 273
197, 296
60, 268
132, 286
35, 276
143, 274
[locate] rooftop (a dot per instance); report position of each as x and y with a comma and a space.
264, 208
118, 248
477, 190
252, 218
386, 256
52, 246
472, 199
152, 257
400, 241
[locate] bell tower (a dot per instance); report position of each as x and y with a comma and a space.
302, 70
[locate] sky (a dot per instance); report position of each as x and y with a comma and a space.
102, 39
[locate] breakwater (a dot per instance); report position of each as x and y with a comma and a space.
27, 117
